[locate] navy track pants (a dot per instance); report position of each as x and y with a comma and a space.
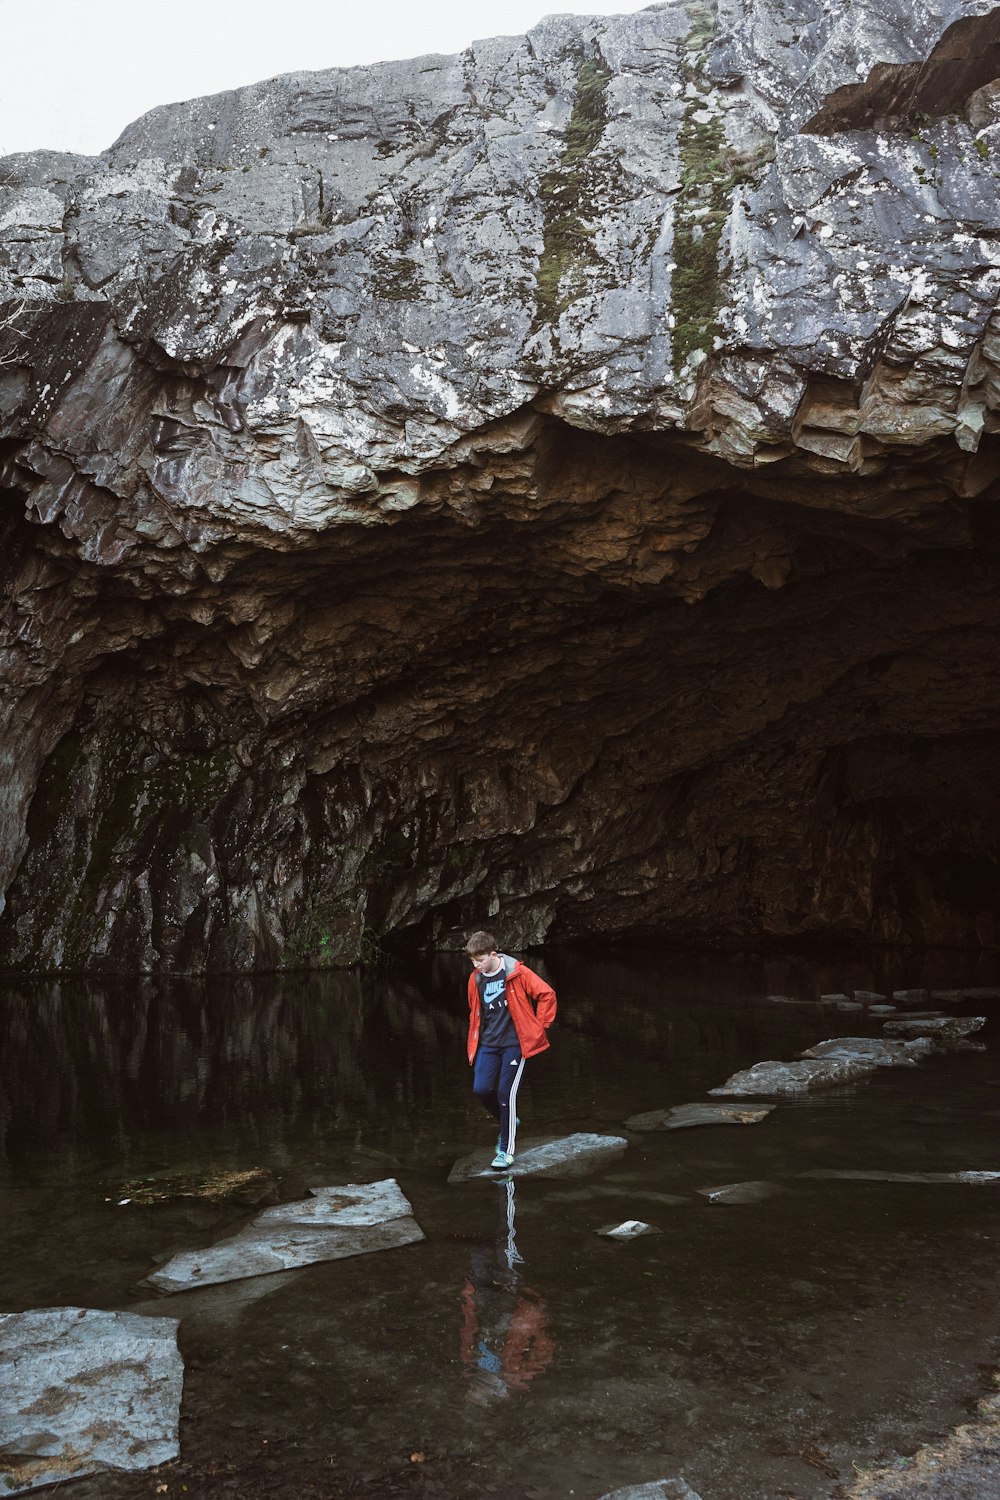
495, 1082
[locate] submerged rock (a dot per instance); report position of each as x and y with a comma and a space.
334, 1223
557, 1156
252, 1186
83, 1391
742, 1192
976, 1179
686, 1116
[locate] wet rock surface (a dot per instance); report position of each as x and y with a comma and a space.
667, 342
941, 1029
752, 1352
556, 1156
970, 1179
334, 1223
840, 1060
742, 1192
83, 1391
628, 1229
687, 1116
658, 1489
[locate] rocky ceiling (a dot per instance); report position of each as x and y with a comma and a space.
554, 486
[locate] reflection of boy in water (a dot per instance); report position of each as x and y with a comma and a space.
510, 1010
505, 1341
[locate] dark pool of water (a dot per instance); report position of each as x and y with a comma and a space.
762, 1351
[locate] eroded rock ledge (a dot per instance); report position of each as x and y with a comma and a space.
557, 481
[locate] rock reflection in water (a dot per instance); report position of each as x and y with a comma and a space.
505, 1339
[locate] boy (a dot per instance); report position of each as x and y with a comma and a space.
505, 1028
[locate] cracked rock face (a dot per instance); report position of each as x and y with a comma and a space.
553, 485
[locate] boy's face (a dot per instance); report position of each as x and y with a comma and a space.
485, 962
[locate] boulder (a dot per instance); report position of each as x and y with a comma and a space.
83, 1391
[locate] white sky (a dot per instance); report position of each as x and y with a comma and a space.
76, 72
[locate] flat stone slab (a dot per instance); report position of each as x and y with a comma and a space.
742, 1192
974, 1179
687, 1116
629, 1229
335, 1222
556, 1156
839, 1060
978, 992
82, 1391
658, 1489
941, 1028
876, 1051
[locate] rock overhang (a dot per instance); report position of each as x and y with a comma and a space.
340, 402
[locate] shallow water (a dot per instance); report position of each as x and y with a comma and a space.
761, 1351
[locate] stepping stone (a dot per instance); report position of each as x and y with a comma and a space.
658, 1489
869, 997
742, 1192
631, 1229
940, 1028
910, 997
840, 1060
85, 1391
335, 1222
686, 1116
975, 1179
878, 1052
556, 1156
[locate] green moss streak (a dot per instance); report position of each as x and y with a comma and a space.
565, 190
709, 173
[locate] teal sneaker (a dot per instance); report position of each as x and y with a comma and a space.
500, 1136
502, 1160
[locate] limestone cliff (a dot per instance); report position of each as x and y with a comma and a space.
556, 482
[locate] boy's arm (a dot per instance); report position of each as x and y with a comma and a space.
542, 994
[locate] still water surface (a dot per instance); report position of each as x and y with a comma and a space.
762, 1351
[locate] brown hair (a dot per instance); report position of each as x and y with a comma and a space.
480, 942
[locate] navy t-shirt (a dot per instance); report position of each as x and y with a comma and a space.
496, 1027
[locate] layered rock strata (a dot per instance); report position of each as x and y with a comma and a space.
554, 485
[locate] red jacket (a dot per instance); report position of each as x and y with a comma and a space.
530, 1021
